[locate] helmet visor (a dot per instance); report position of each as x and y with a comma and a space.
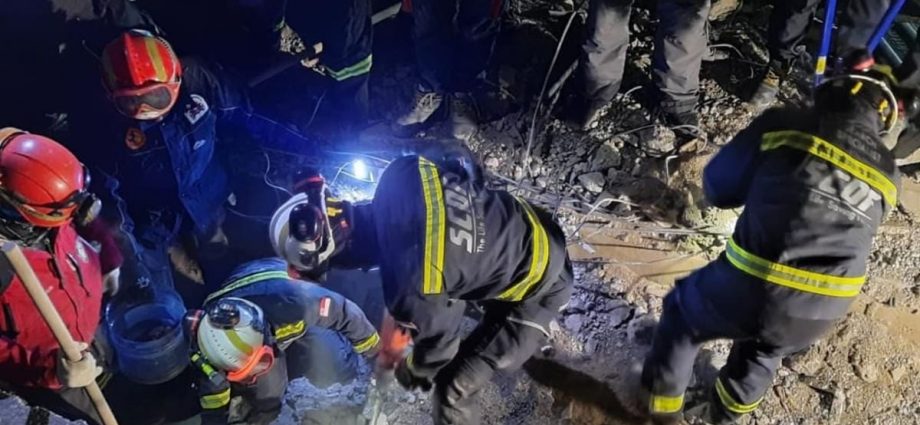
146, 103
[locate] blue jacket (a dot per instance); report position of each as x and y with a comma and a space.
174, 164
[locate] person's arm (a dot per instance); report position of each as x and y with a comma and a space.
727, 177
434, 323
330, 310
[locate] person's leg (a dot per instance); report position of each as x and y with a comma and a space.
603, 57
751, 365
788, 24
680, 42
857, 23
435, 46
508, 335
478, 26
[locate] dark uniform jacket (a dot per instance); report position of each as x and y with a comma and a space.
443, 238
174, 164
291, 307
815, 190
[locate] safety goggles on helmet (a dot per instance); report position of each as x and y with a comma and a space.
146, 103
80, 204
233, 336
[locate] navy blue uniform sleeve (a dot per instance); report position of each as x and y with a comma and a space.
229, 97
434, 322
727, 177
330, 310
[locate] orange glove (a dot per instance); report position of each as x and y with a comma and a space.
394, 341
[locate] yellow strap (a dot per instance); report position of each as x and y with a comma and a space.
802, 280
729, 402
825, 150
215, 401
433, 264
247, 280
290, 330
238, 342
367, 344
359, 68
666, 404
539, 259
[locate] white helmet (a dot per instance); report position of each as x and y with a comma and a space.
312, 243
231, 336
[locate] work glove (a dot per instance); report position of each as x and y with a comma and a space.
410, 380
112, 281
77, 374
311, 61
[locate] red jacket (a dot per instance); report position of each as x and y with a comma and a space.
72, 277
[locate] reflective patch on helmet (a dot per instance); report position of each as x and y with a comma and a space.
197, 109
81, 253
290, 330
324, 305
135, 138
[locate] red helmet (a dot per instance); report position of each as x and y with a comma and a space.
42, 180
142, 74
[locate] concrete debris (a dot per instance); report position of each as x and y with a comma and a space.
898, 373
592, 182
14, 411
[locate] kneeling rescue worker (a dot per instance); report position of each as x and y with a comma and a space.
245, 329
442, 240
46, 210
816, 184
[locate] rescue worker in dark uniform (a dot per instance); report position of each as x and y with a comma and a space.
46, 209
344, 31
680, 43
789, 22
442, 241
816, 184
453, 44
160, 148
263, 328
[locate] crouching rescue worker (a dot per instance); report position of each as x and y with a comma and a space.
44, 208
442, 240
263, 328
815, 184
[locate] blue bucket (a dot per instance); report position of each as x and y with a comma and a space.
147, 335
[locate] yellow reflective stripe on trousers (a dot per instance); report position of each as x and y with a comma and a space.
666, 404
360, 68
367, 343
433, 262
539, 258
729, 402
247, 280
823, 149
802, 280
215, 401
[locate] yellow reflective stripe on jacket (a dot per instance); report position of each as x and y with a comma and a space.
367, 344
360, 68
802, 280
539, 258
823, 149
433, 261
290, 330
729, 402
666, 404
215, 401
247, 280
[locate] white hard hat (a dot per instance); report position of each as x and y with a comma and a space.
304, 255
231, 333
